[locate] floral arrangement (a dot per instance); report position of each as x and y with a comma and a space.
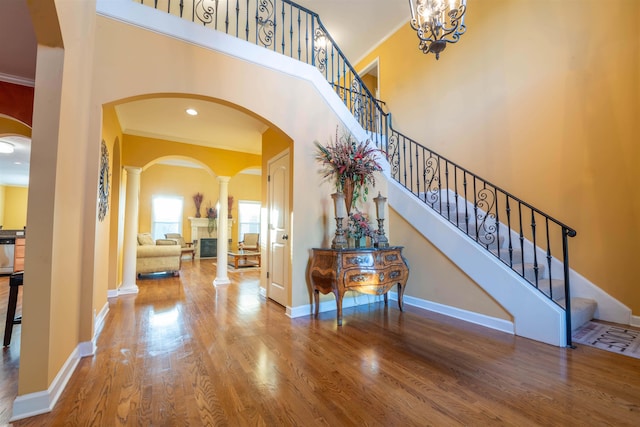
359, 226
197, 200
212, 214
349, 163
229, 205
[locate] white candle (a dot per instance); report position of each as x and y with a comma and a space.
380, 201
340, 205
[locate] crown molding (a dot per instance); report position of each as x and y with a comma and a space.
8, 78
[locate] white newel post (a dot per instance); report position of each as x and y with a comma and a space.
130, 242
223, 235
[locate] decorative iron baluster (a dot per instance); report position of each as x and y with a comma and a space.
466, 205
535, 252
299, 31
549, 258
509, 233
433, 172
205, 12
446, 179
455, 194
521, 236
282, 25
485, 217
264, 22
496, 218
306, 41
393, 154
246, 27
320, 51
237, 17
475, 207
181, 7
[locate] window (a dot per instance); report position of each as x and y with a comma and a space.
166, 215
248, 218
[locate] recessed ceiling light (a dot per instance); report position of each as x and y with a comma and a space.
17, 163
192, 111
6, 147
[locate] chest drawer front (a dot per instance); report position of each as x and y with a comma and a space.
385, 278
357, 260
391, 258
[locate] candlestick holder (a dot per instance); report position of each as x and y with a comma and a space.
381, 239
339, 240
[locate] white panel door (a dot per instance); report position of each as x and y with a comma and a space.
278, 286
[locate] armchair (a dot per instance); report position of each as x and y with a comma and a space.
250, 242
186, 247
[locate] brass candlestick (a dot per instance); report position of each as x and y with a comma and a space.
382, 241
339, 241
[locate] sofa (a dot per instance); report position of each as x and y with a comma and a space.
162, 255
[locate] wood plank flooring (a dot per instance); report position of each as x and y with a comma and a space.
185, 353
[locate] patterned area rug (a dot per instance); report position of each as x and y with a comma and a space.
619, 339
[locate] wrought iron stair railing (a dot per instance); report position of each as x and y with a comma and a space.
530, 242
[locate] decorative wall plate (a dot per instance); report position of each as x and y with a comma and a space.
103, 182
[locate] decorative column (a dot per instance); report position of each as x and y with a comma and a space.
223, 233
132, 175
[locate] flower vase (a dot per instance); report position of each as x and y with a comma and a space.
198, 213
347, 190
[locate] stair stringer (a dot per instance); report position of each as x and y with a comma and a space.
608, 308
535, 316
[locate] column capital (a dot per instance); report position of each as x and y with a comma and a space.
224, 178
133, 170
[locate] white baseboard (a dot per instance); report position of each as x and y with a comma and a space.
263, 292
40, 402
458, 313
112, 293
364, 299
352, 300
98, 322
635, 320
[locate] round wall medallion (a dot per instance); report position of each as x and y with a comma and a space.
103, 183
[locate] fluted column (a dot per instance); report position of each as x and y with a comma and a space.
223, 234
132, 175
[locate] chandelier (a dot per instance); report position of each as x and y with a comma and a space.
437, 22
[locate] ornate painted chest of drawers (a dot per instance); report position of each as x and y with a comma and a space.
367, 270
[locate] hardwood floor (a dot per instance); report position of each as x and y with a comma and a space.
185, 353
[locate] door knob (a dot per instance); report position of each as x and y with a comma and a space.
285, 237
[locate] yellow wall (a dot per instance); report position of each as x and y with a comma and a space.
61, 216
15, 207
433, 277
184, 182
142, 152
112, 135
537, 99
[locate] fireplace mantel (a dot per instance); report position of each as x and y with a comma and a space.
200, 230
